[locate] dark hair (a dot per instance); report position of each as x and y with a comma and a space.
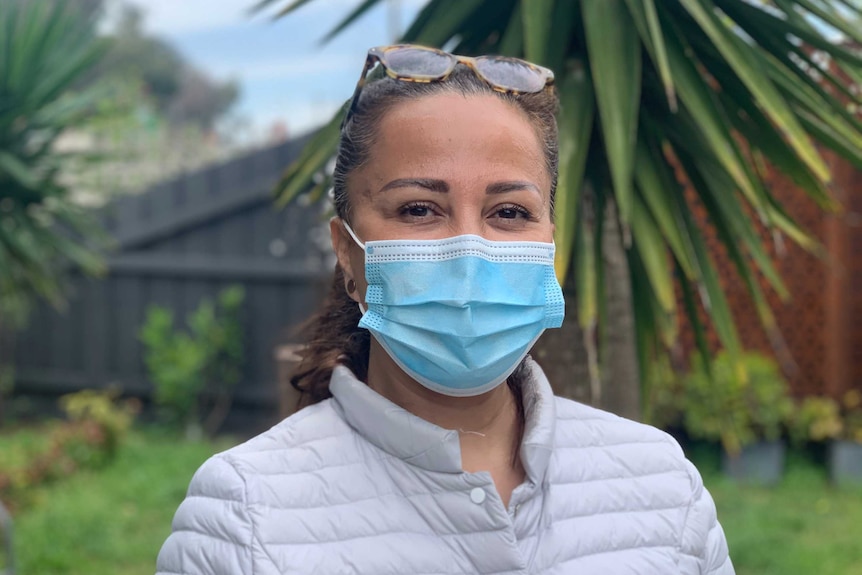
334, 335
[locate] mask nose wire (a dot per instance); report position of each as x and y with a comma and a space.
352, 234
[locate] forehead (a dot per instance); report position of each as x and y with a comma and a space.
456, 138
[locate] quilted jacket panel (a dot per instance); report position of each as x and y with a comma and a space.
357, 485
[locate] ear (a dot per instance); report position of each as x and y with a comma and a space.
342, 244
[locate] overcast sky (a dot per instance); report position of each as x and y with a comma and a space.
283, 70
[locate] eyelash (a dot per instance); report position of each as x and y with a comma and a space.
405, 209
521, 210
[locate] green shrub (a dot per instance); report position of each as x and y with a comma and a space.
97, 423
734, 411
816, 419
194, 373
721, 406
103, 409
664, 405
851, 416
819, 419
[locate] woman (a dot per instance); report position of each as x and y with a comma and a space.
414, 457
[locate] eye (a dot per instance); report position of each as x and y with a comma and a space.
513, 212
416, 210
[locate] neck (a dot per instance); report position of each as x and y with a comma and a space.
489, 424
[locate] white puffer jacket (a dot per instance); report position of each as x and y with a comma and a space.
358, 485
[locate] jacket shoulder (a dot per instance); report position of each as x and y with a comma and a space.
214, 528
580, 425
308, 424
595, 445
612, 464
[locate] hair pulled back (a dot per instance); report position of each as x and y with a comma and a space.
334, 337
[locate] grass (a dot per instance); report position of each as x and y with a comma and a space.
111, 520
17, 448
114, 520
803, 526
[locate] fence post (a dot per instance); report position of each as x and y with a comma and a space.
286, 357
6, 528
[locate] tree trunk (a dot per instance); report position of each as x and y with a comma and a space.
7, 365
562, 354
621, 388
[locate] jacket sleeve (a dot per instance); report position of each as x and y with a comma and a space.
212, 531
703, 545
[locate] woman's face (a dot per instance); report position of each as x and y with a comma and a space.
448, 165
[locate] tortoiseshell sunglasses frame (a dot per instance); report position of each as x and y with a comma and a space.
378, 55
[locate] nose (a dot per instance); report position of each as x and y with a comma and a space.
469, 222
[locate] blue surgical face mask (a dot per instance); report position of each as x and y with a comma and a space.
459, 314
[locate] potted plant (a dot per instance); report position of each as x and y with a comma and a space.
823, 419
845, 452
746, 412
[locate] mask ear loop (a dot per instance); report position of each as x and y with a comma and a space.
350, 231
352, 234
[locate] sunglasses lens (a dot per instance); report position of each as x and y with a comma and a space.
417, 63
511, 74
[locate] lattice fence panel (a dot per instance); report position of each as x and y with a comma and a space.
802, 348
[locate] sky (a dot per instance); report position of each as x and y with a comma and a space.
283, 70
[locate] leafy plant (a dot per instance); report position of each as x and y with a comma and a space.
97, 422
103, 408
194, 373
816, 419
723, 407
822, 418
664, 405
851, 416
656, 96
46, 48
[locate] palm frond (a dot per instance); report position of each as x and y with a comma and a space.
45, 48
714, 90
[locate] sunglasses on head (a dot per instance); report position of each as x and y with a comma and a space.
411, 63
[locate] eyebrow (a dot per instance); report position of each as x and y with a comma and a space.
513, 186
442, 187
426, 183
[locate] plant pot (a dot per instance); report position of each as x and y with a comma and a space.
760, 463
845, 462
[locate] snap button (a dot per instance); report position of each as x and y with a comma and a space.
477, 496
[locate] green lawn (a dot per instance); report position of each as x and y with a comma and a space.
804, 526
114, 520
17, 447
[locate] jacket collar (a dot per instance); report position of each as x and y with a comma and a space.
416, 441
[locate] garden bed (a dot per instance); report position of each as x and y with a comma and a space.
111, 519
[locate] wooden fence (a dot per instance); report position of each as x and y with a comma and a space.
178, 243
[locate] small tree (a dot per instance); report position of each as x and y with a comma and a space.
45, 48
194, 373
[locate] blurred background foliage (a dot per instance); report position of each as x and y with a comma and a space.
46, 49
667, 107
86, 114
194, 371
157, 118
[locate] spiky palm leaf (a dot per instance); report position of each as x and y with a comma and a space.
716, 88
44, 49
